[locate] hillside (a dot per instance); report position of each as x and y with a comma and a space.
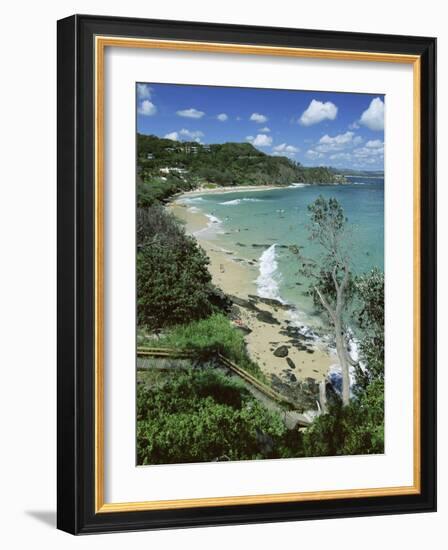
165, 167
360, 173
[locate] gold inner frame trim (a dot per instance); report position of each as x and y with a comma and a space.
101, 42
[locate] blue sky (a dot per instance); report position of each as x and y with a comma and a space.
313, 128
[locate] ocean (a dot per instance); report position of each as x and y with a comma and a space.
259, 226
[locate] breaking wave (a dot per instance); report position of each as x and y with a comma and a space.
268, 279
239, 201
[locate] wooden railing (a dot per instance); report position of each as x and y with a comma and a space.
249, 378
292, 417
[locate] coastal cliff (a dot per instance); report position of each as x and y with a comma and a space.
166, 167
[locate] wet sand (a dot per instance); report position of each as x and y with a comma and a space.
236, 276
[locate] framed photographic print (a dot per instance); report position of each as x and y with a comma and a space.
246, 271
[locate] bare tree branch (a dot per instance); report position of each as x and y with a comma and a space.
326, 304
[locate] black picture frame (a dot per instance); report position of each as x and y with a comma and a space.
76, 254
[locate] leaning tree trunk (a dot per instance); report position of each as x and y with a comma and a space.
342, 356
336, 317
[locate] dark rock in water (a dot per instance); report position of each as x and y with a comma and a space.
282, 246
267, 317
240, 244
295, 332
290, 363
270, 302
260, 245
281, 351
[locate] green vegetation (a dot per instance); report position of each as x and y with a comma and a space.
369, 290
329, 275
355, 423
361, 173
173, 283
358, 428
199, 414
210, 336
202, 415
166, 167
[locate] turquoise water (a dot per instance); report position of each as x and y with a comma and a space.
279, 218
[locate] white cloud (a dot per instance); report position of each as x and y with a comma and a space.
314, 155
369, 152
260, 140
192, 134
318, 111
336, 143
375, 144
147, 108
257, 117
172, 135
372, 153
184, 134
265, 130
341, 156
191, 113
144, 91
373, 117
286, 149
222, 117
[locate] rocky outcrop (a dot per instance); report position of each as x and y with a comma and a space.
281, 351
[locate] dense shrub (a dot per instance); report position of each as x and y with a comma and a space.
210, 336
202, 415
173, 283
357, 428
370, 317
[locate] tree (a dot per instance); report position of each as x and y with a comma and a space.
173, 282
369, 314
330, 275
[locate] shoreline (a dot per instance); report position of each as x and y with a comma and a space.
267, 324
226, 189
244, 188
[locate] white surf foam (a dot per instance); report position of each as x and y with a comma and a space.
239, 201
268, 279
214, 226
192, 200
213, 219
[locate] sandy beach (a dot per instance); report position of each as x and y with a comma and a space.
267, 324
